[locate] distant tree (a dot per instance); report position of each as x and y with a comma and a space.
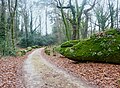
46, 20
117, 11
102, 17
86, 12
112, 13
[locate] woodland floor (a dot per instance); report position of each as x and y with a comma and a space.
11, 72
41, 70
99, 74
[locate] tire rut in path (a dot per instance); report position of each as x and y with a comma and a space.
39, 73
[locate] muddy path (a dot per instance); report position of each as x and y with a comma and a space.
39, 73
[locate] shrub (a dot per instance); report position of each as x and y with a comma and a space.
40, 41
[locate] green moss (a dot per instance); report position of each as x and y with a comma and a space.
36, 46
99, 48
21, 52
70, 43
29, 48
47, 51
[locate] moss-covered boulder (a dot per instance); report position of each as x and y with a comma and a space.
69, 43
101, 47
21, 52
29, 48
47, 51
36, 46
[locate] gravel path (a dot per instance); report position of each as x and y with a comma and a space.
39, 73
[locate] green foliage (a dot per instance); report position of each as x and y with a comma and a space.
22, 42
40, 41
6, 50
102, 47
24, 51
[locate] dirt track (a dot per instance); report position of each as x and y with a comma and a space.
39, 73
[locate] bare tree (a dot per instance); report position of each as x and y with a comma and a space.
102, 17
86, 12
46, 20
112, 12
117, 11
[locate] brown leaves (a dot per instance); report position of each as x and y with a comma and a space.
11, 73
99, 74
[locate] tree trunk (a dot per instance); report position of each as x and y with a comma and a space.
31, 22
66, 25
86, 19
26, 28
117, 15
86, 26
12, 32
46, 20
12, 11
3, 27
74, 35
111, 10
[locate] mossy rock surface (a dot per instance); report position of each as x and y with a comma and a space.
70, 43
47, 51
36, 46
21, 52
102, 47
29, 48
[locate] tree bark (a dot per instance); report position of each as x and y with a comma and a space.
87, 19
12, 11
26, 28
46, 20
3, 27
86, 25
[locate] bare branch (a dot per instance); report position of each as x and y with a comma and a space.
87, 10
15, 5
36, 28
59, 5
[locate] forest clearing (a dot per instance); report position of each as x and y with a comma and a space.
59, 44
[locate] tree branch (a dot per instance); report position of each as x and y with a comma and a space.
36, 28
15, 5
87, 10
60, 5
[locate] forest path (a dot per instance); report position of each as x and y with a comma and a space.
39, 73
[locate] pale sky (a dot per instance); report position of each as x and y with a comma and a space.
41, 11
